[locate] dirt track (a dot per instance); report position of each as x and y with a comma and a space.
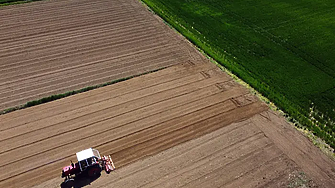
53, 47
187, 125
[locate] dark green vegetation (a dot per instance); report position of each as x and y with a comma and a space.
282, 48
12, 2
63, 95
8, 1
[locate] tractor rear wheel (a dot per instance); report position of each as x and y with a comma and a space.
94, 171
67, 183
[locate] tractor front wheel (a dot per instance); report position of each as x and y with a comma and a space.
67, 183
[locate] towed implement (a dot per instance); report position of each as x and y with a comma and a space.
89, 164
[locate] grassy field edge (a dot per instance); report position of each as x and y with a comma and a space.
15, 2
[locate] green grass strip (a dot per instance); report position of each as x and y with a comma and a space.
69, 93
15, 2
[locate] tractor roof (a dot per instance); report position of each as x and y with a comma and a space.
87, 153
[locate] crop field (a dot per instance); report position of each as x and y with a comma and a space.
282, 48
187, 124
49, 48
147, 115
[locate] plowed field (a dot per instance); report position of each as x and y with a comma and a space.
53, 47
147, 115
188, 125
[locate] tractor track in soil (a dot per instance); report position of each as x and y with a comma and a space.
188, 125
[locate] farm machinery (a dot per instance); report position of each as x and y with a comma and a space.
90, 164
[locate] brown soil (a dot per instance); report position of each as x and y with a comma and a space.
200, 127
189, 125
53, 47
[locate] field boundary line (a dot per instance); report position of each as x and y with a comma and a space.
69, 93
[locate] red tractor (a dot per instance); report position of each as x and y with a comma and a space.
89, 164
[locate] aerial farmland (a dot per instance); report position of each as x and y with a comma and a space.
282, 48
166, 114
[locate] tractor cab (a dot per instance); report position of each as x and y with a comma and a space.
87, 158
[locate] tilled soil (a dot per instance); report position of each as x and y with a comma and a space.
188, 125
52, 47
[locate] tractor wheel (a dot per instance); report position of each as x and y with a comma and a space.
67, 183
94, 172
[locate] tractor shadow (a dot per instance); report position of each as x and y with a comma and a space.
82, 181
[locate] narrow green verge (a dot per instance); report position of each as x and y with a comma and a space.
14, 2
69, 93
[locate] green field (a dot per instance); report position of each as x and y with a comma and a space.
284, 49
